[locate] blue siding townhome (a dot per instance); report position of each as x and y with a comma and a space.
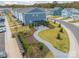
56, 11
30, 15
15, 13
49, 11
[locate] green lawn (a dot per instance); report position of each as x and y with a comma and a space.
55, 16
50, 35
52, 23
74, 21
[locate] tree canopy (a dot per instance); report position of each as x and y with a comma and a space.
74, 4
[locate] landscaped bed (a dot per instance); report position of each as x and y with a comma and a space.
51, 35
31, 46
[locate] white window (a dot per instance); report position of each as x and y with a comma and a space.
33, 14
37, 15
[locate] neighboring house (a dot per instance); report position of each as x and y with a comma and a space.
56, 11
66, 12
30, 15
75, 14
5, 10
71, 13
48, 11
15, 13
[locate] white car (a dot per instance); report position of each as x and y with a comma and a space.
2, 29
2, 24
3, 54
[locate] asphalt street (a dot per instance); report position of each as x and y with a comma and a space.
2, 41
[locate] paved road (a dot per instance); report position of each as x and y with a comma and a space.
2, 41
73, 28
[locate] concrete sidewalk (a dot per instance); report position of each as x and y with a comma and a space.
73, 52
11, 45
67, 20
57, 53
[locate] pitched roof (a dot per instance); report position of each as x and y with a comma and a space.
29, 10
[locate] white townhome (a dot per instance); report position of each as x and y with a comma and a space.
71, 13
75, 14
66, 12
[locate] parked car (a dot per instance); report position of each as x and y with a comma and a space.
2, 20
3, 54
2, 24
2, 29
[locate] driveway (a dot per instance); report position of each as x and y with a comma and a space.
75, 31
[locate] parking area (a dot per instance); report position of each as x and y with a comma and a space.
2, 41
2, 37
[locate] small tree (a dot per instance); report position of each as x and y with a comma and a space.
58, 36
30, 50
59, 25
23, 24
41, 46
45, 23
61, 30
30, 25
54, 22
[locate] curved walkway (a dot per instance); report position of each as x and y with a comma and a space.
55, 52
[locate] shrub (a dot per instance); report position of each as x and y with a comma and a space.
58, 36
23, 24
30, 50
61, 30
31, 25
54, 22
41, 46
45, 23
59, 25
23, 42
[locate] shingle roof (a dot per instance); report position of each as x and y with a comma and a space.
28, 10
72, 10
